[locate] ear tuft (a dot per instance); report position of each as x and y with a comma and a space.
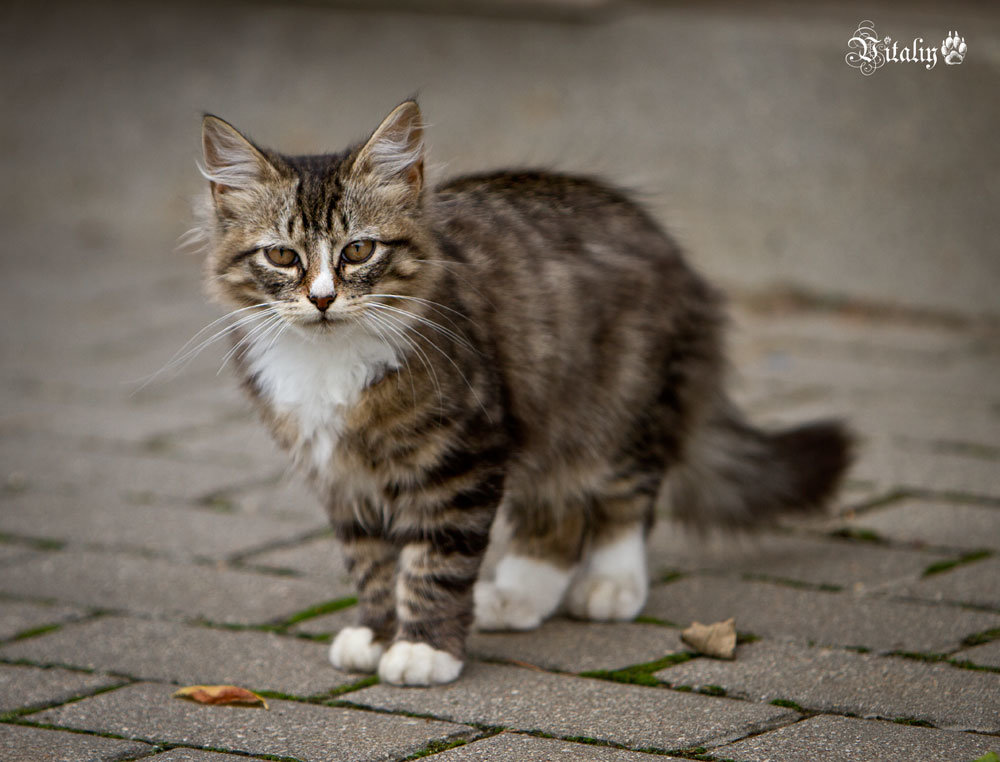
395, 151
231, 161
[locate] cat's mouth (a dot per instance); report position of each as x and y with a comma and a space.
324, 322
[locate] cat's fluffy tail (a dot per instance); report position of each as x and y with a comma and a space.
736, 476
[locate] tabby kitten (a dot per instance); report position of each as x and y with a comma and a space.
518, 337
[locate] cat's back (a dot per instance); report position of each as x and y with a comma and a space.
585, 293
561, 211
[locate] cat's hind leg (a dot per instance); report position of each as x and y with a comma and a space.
533, 575
611, 582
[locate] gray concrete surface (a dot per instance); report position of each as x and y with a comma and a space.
22, 744
792, 613
847, 683
840, 739
576, 707
292, 729
131, 518
507, 747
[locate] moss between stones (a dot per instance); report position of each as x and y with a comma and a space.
979, 638
435, 747
858, 534
990, 756
642, 619
35, 631
788, 704
640, 674
967, 558
712, 690
913, 721
328, 607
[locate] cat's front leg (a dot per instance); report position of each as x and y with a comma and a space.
437, 569
371, 560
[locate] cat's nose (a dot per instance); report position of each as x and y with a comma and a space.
321, 302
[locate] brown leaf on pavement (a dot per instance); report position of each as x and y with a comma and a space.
220, 694
718, 639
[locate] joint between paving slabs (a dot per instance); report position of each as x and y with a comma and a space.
949, 564
239, 559
17, 716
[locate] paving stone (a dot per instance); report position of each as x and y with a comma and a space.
935, 523
986, 655
167, 651
23, 686
804, 616
829, 680
172, 529
187, 654
53, 465
10, 553
195, 755
977, 582
511, 747
571, 646
19, 743
243, 442
327, 624
565, 706
146, 711
320, 557
283, 496
162, 588
844, 739
960, 378
890, 465
843, 563
17, 617
107, 423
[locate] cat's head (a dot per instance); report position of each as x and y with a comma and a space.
313, 238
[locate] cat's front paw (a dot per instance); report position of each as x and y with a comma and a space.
356, 650
407, 663
611, 598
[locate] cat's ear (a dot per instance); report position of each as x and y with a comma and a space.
395, 152
231, 161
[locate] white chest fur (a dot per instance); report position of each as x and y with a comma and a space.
315, 380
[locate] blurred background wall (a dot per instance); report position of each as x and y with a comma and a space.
740, 125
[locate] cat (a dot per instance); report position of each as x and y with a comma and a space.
521, 338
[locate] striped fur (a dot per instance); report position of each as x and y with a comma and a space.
522, 338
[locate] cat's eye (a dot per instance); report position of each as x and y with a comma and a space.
281, 257
357, 252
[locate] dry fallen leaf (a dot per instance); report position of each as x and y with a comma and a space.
220, 694
718, 639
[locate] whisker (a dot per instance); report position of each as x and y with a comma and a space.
251, 336
187, 353
445, 356
430, 303
421, 355
359, 320
429, 323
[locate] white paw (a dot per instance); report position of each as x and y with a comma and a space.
498, 609
612, 584
526, 591
407, 663
607, 599
353, 650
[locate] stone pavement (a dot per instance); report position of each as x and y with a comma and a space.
154, 541
150, 536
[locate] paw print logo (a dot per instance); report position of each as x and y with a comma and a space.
953, 48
